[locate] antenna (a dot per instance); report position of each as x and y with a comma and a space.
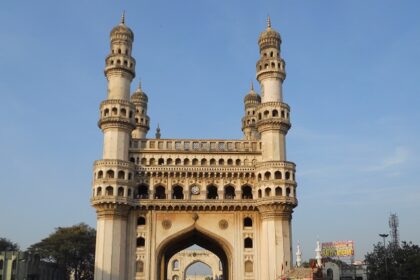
393, 225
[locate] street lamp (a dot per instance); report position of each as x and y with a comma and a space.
384, 236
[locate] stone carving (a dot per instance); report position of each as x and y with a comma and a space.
223, 224
166, 224
195, 217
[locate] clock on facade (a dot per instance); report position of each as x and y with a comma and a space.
195, 190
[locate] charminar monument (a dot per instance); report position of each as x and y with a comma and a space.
155, 197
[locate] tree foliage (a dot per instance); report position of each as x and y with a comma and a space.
71, 248
403, 262
7, 245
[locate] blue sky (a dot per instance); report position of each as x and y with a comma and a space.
352, 84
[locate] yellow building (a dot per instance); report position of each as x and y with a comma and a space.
155, 197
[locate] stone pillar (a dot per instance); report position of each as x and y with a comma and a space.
111, 230
276, 241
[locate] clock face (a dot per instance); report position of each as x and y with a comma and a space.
195, 190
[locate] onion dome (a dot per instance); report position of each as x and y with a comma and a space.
122, 30
269, 37
139, 95
252, 96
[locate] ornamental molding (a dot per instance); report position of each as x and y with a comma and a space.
119, 35
276, 210
112, 211
114, 163
191, 206
120, 71
117, 101
270, 73
276, 164
273, 104
275, 183
112, 200
143, 126
197, 169
114, 182
120, 55
116, 122
273, 123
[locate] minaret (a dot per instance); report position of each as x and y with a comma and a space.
275, 175
140, 99
298, 256
249, 121
113, 177
273, 116
318, 256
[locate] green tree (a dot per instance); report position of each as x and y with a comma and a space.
403, 262
7, 245
71, 248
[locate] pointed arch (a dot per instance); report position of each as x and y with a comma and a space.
190, 236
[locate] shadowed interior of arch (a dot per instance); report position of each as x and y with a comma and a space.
183, 241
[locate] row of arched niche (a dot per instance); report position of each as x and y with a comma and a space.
268, 175
177, 191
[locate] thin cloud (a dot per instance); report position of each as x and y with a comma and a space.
398, 158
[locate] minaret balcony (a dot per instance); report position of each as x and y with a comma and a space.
120, 64
275, 163
273, 109
249, 121
109, 199
271, 68
116, 122
273, 124
278, 200
113, 168
142, 121
276, 173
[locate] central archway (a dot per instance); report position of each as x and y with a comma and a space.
187, 238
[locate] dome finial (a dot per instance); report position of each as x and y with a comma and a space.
123, 18
252, 85
158, 132
268, 22
139, 87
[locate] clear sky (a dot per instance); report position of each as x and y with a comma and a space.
352, 84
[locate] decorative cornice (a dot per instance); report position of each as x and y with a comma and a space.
117, 101
276, 210
276, 164
197, 205
111, 210
270, 73
276, 182
273, 105
199, 169
114, 163
273, 123
119, 70
114, 181
116, 122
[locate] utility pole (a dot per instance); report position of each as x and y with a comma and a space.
384, 236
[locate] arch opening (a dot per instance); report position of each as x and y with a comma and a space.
187, 239
198, 268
